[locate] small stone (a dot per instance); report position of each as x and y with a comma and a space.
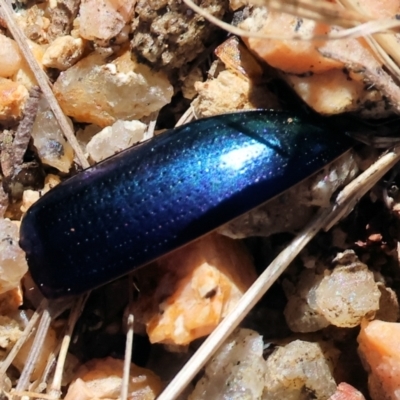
95, 92
104, 19
63, 52
188, 89
388, 304
12, 100
31, 196
102, 378
11, 300
237, 58
115, 138
197, 287
342, 297
231, 92
379, 349
297, 368
169, 35
33, 21
85, 135
236, 4
349, 293
12, 259
49, 141
236, 371
331, 92
10, 57
300, 312
344, 391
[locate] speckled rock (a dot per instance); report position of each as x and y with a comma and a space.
236, 371
13, 265
297, 368
169, 34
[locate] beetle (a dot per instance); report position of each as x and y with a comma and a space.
154, 198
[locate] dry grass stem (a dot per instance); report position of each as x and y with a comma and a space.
42, 80
359, 30
186, 117
55, 311
352, 193
391, 48
151, 126
34, 395
128, 343
382, 55
16, 348
76, 311
327, 12
34, 352
385, 46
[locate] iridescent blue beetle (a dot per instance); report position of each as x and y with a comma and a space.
160, 195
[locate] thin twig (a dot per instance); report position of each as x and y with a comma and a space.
327, 12
152, 121
128, 343
57, 309
366, 28
385, 47
352, 193
186, 117
37, 386
42, 80
35, 351
21, 341
375, 43
76, 311
33, 395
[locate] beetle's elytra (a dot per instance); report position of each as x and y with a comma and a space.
156, 197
